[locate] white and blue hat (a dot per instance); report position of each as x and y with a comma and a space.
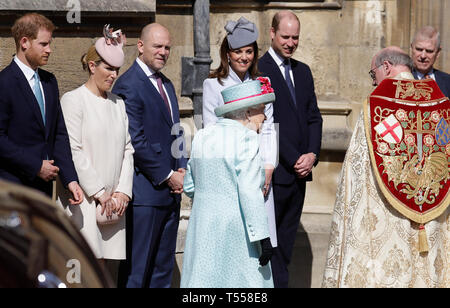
245, 95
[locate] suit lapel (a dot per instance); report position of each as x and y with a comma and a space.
28, 94
440, 81
279, 78
49, 103
173, 100
298, 78
153, 92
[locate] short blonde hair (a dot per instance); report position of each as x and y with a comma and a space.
90, 55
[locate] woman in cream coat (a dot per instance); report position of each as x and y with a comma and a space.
101, 147
239, 58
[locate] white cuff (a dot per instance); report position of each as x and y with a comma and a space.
99, 194
168, 177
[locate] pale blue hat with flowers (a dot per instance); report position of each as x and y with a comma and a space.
245, 95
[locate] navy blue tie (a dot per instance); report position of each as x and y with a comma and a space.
289, 82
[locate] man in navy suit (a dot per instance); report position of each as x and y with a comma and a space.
425, 48
159, 159
300, 134
34, 145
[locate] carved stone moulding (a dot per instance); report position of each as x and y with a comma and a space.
254, 4
102, 6
86, 15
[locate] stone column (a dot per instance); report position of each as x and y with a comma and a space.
202, 59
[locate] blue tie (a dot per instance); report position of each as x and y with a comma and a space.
38, 93
289, 82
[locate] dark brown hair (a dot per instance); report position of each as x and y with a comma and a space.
29, 25
223, 70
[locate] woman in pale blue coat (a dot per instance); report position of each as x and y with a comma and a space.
227, 242
238, 64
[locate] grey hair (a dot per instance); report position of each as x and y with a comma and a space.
240, 114
428, 32
395, 57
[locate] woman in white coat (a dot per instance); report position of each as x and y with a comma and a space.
97, 124
239, 58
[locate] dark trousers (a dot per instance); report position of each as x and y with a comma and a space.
288, 209
153, 246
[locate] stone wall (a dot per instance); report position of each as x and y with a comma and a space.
337, 40
73, 36
338, 45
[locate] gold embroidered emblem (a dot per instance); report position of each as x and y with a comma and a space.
422, 178
416, 90
421, 173
413, 167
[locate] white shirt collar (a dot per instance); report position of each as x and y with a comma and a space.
232, 74
422, 76
147, 70
27, 71
404, 75
278, 59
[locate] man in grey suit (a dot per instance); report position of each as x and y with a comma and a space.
426, 47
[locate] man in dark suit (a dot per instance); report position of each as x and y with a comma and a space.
159, 159
425, 49
300, 134
34, 145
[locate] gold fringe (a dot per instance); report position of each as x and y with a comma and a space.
423, 241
